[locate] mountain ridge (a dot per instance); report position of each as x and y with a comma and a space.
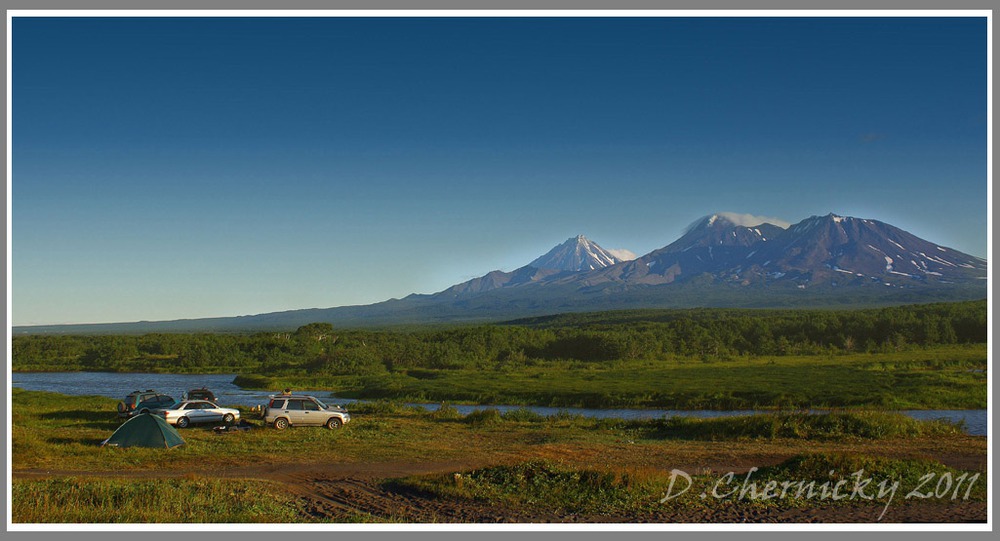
821, 261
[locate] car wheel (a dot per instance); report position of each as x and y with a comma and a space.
333, 423
228, 418
183, 422
281, 423
122, 407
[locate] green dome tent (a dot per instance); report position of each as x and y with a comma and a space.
145, 430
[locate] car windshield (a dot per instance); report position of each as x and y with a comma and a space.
320, 402
174, 406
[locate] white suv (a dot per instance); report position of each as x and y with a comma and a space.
300, 410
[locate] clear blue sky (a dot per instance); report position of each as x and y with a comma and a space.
178, 168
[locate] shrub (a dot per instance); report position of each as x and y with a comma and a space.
445, 412
821, 467
484, 417
381, 407
523, 415
563, 415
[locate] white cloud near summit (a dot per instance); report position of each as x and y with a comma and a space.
622, 254
749, 220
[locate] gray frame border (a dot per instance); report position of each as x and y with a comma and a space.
512, 5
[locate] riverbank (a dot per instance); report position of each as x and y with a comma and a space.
901, 358
117, 385
395, 463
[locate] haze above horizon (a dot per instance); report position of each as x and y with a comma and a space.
170, 168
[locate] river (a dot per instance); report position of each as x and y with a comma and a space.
118, 385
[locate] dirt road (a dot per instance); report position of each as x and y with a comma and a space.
358, 491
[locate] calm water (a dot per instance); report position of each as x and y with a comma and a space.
118, 385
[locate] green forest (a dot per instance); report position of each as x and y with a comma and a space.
601, 337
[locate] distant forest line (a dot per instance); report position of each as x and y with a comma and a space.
319, 349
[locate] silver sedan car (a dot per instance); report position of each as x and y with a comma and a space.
188, 412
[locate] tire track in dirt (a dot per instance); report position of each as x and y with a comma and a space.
362, 493
334, 499
357, 497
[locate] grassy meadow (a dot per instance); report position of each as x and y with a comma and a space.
512, 459
193, 499
398, 463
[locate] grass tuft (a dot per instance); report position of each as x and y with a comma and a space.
812, 426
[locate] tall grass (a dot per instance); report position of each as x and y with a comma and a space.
77, 500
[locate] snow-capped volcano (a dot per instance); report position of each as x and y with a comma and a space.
827, 250
846, 249
739, 250
576, 254
710, 245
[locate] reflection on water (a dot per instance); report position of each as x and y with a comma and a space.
118, 385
